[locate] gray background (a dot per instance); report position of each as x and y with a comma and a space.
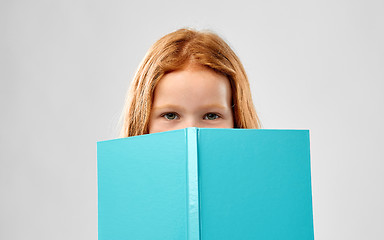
65, 67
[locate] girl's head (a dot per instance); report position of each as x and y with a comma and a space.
188, 79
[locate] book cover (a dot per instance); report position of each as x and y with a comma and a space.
205, 184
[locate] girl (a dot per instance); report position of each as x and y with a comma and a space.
188, 79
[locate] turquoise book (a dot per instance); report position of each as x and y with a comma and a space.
206, 184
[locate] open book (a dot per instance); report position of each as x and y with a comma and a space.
206, 184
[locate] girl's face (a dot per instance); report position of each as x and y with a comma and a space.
195, 96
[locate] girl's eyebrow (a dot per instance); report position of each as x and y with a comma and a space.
219, 106
168, 106
172, 106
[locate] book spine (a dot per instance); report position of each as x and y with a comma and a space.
193, 227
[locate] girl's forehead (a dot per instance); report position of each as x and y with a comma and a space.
191, 77
193, 86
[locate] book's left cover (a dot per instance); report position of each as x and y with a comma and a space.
156, 211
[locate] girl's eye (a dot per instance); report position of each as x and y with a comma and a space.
211, 116
170, 116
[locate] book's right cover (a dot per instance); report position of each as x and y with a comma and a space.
254, 184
